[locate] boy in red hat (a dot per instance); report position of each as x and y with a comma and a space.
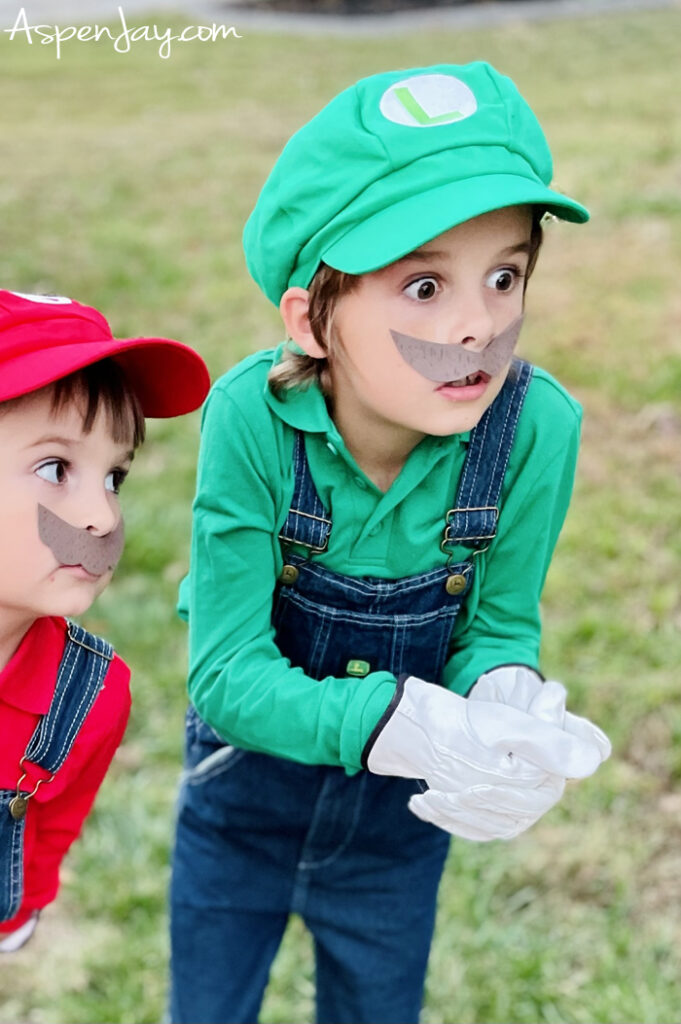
73, 400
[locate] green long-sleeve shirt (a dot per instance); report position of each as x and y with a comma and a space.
238, 680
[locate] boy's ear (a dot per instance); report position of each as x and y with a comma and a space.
293, 307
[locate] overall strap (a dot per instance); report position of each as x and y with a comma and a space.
307, 523
84, 665
473, 520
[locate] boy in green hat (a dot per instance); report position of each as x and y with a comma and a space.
377, 505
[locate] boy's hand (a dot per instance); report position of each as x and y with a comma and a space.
20, 936
521, 687
482, 813
485, 812
454, 743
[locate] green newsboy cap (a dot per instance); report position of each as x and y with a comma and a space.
391, 163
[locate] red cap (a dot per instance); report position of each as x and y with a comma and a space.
45, 337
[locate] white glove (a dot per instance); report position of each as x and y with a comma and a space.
521, 687
454, 743
484, 812
516, 685
18, 938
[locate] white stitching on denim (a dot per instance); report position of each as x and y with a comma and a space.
307, 865
472, 465
314, 533
401, 586
49, 722
16, 878
344, 615
321, 637
510, 422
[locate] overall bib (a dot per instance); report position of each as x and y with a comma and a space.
80, 677
260, 837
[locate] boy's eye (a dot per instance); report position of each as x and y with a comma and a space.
503, 280
114, 480
422, 289
53, 471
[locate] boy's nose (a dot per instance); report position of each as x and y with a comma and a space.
471, 325
97, 512
101, 529
103, 521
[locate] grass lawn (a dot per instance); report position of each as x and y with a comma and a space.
126, 180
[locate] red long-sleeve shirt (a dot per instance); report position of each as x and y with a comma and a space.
56, 813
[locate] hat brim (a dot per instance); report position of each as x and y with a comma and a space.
391, 233
169, 378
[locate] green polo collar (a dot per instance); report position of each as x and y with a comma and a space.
305, 409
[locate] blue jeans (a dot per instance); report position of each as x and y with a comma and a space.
259, 837
350, 858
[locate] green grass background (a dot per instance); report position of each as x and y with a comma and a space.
125, 181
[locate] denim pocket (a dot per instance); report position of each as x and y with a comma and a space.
207, 754
213, 764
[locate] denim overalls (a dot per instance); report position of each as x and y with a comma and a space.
259, 837
80, 677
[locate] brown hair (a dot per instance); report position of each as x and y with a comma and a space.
297, 369
100, 385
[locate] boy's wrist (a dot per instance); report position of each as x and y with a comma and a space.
360, 726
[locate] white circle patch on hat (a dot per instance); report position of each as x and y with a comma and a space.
427, 101
49, 300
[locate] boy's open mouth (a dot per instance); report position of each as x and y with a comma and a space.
479, 377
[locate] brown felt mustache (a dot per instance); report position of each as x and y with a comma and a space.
452, 362
72, 545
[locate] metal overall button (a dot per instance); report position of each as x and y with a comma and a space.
288, 575
18, 806
456, 583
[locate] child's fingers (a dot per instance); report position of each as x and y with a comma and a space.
588, 732
479, 825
